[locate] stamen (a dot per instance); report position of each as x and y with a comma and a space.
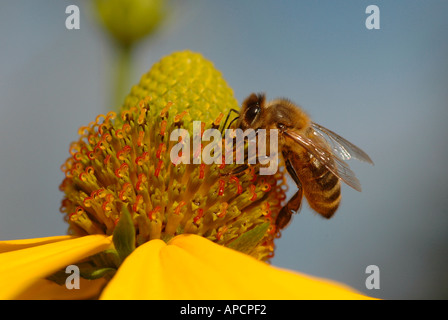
252, 173
78, 156
266, 187
141, 135
179, 206
69, 174
138, 202
107, 204
102, 128
122, 154
81, 219
84, 131
239, 188
110, 116
141, 180
91, 155
107, 159
127, 187
122, 170
159, 167
252, 191
141, 160
163, 125
165, 109
93, 139
202, 128
87, 202
99, 117
74, 148
174, 219
121, 134
101, 193
125, 115
79, 167
223, 162
107, 137
104, 142
201, 171
142, 116
223, 210
267, 210
82, 176
218, 119
220, 232
160, 150
198, 216
272, 230
179, 116
152, 213
222, 185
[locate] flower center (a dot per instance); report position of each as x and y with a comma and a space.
125, 161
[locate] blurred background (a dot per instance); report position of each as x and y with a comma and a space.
385, 90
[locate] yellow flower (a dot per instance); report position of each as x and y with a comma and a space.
128, 21
142, 227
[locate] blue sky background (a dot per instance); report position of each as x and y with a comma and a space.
385, 90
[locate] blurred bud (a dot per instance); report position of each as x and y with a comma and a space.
128, 21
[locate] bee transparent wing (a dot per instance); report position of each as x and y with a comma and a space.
345, 149
321, 151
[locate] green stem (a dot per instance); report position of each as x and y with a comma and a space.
122, 76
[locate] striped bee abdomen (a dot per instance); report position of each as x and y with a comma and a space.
321, 188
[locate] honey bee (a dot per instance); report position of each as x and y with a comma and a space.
314, 156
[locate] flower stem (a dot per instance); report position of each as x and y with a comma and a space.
123, 67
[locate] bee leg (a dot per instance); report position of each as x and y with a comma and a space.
238, 170
285, 214
241, 168
293, 205
292, 172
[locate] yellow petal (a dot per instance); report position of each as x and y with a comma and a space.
19, 269
44, 289
140, 269
11, 245
192, 267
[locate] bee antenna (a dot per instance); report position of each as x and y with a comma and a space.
231, 122
227, 119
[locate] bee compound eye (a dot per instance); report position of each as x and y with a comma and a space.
252, 112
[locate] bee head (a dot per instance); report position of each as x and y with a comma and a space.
281, 114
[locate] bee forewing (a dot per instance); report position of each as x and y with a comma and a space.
345, 149
330, 160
